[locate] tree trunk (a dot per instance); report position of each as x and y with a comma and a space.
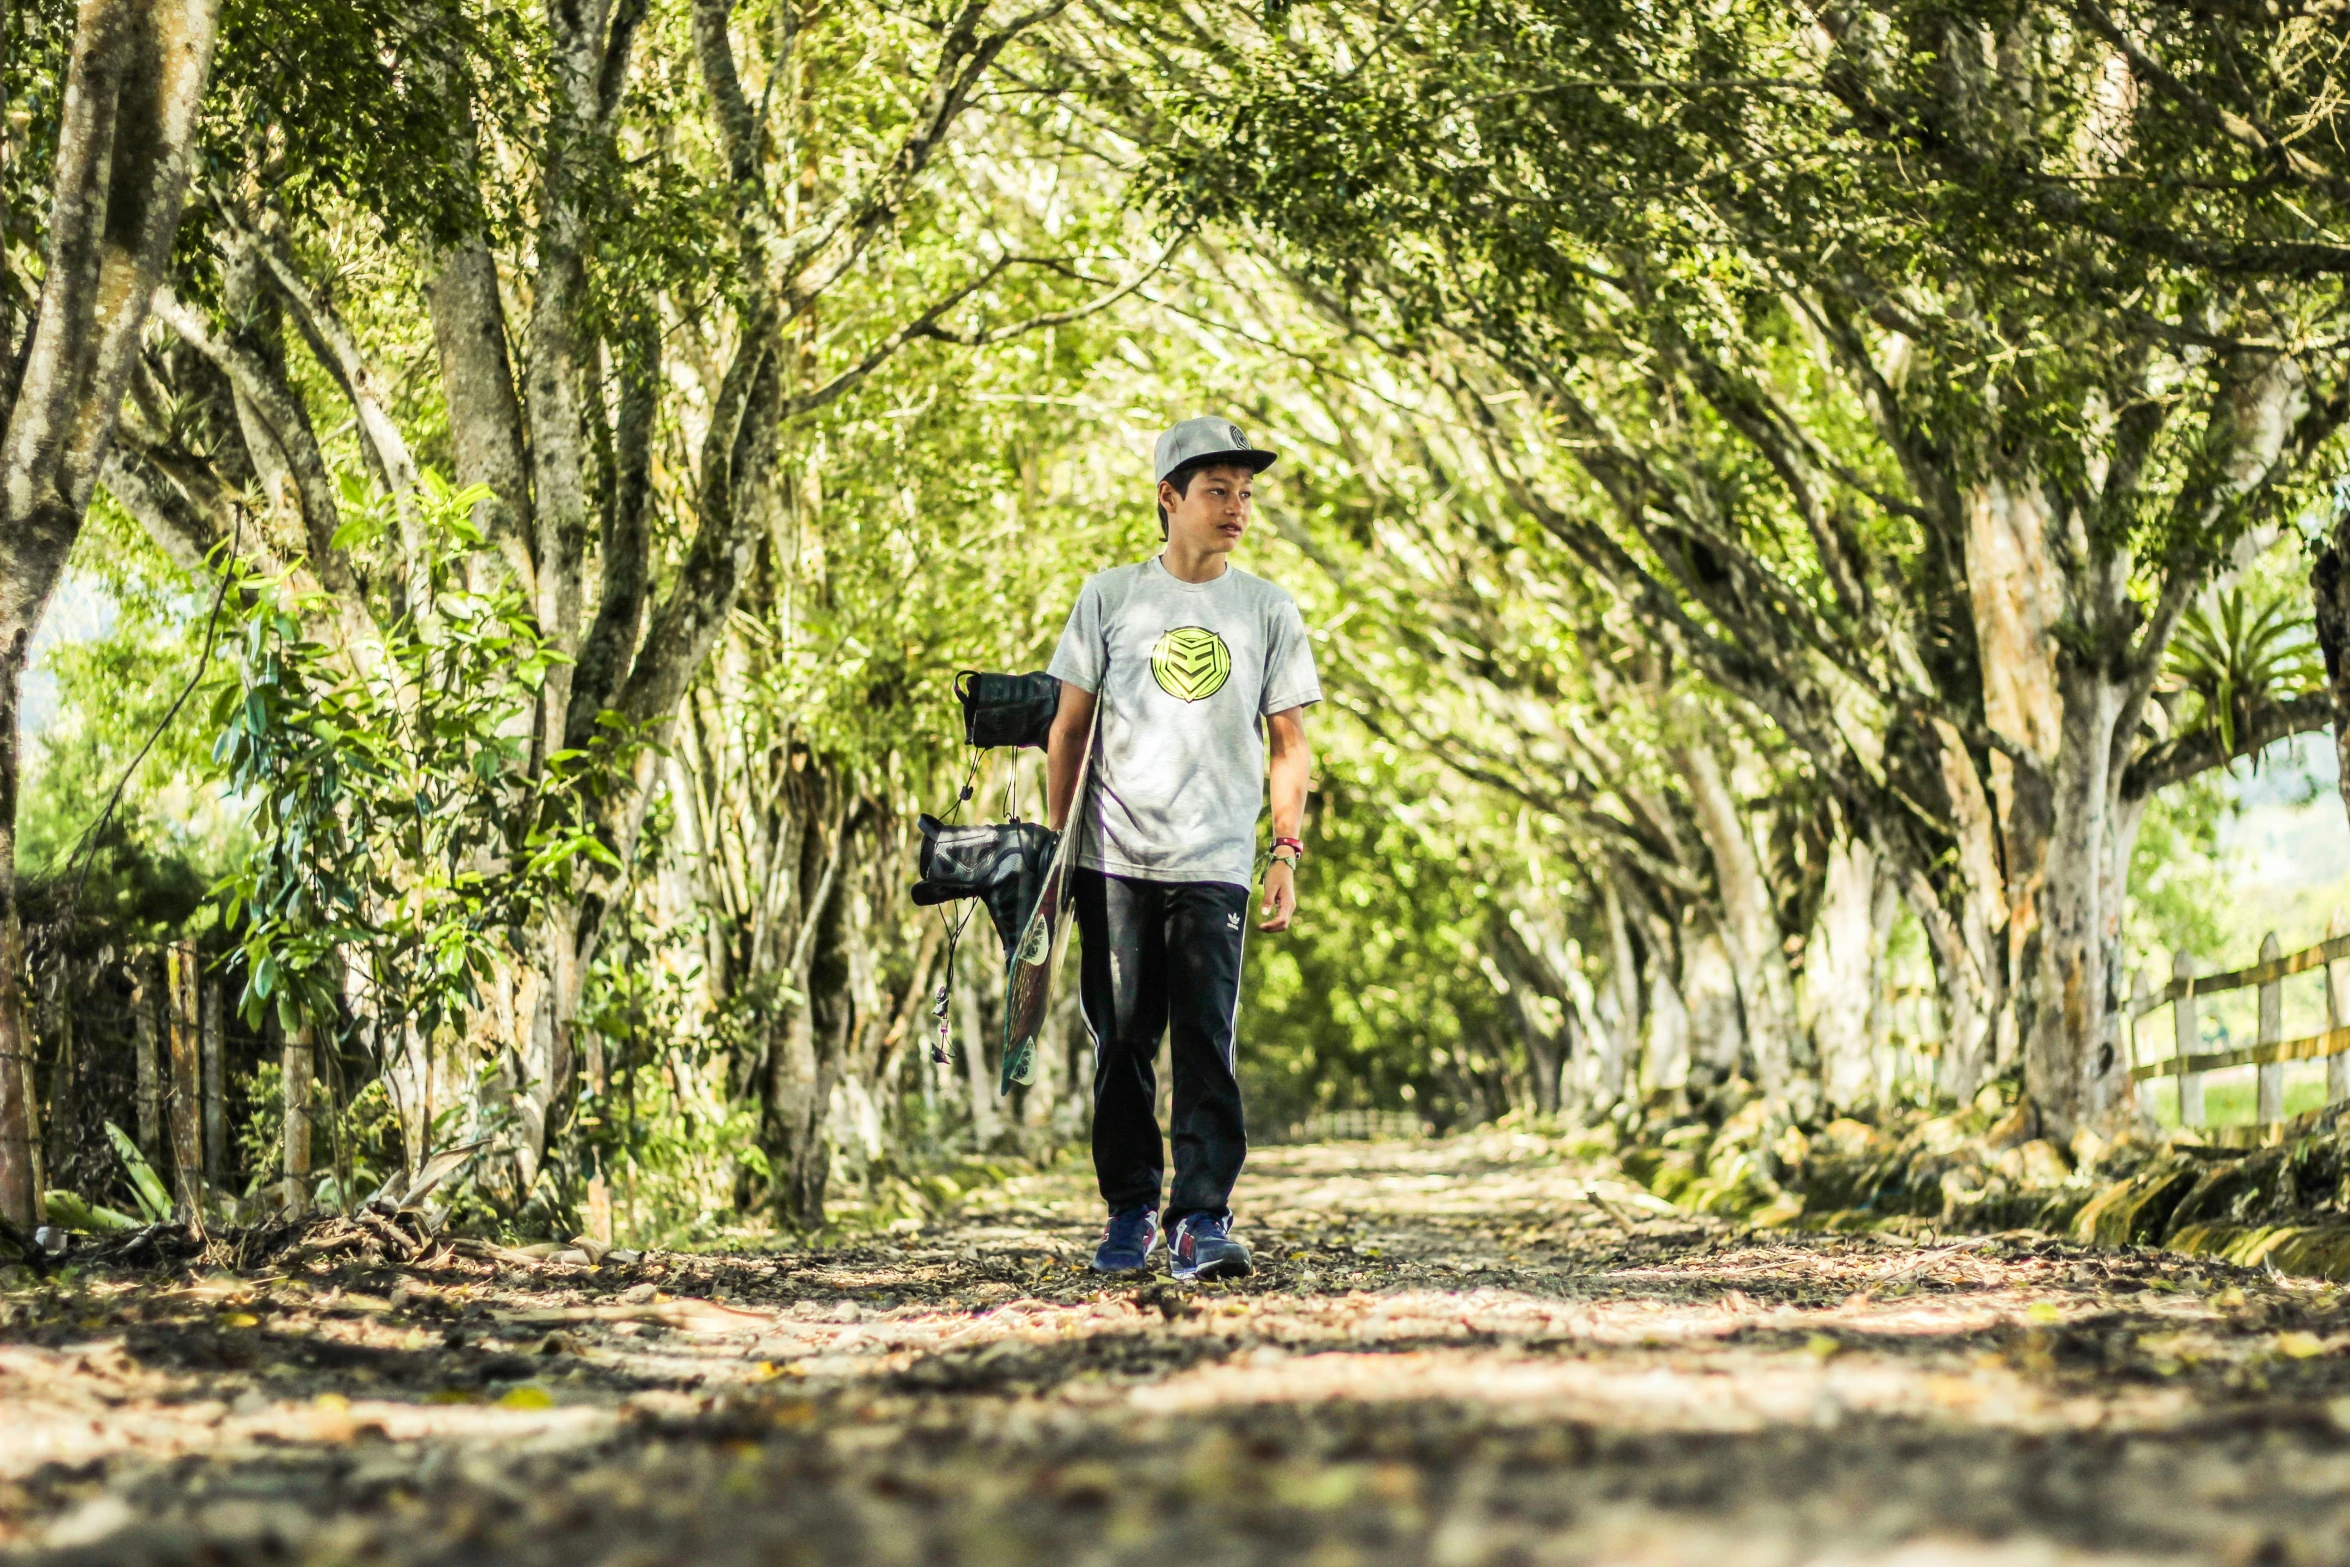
1539, 974
805, 1057
64, 1070
1840, 973
1666, 1064
485, 414
2070, 707
1622, 1046
1709, 987
1884, 919
1750, 921
986, 1123
589, 61
297, 1074
19, 1197
906, 1032
1545, 1059
2069, 994
187, 1124
2054, 794
2329, 593
486, 428
215, 1088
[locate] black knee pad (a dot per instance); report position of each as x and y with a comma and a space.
1007, 709
1003, 866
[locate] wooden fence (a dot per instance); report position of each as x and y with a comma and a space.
2189, 1062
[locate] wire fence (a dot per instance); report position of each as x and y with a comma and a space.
1356, 1126
140, 1037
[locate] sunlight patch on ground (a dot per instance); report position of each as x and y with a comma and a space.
1449, 1355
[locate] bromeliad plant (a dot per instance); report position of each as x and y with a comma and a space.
402, 827
2240, 651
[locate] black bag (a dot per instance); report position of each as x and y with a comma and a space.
1007, 709
1003, 866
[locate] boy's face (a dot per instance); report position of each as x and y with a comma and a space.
1214, 515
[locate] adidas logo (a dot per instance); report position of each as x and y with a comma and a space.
1232, 922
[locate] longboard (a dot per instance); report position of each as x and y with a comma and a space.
1036, 958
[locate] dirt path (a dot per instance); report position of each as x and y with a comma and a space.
1464, 1352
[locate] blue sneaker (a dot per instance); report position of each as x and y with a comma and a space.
1203, 1248
1127, 1241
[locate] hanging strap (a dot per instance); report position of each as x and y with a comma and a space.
1113, 613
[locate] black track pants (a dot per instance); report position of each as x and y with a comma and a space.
1163, 958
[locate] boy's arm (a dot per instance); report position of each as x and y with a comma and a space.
1292, 769
1062, 748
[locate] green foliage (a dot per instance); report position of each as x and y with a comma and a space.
396, 816
1620, 365
76, 1212
366, 104
2179, 893
1377, 996
153, 1196
146, 864
656, 1116
1770, 321
2243, 647
261, 1134
38, 40
362, 1141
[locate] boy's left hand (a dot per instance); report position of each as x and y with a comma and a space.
1280, 896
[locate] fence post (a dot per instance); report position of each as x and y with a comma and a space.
187, 1140
150, 1086
2137, 1005
59, 1013
2338, 1011
2185, 1037
296, 1064
215, 1089
2271, 1104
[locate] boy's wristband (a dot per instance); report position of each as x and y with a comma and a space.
1297, 851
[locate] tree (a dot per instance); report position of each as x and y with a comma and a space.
709, 263
1925, 480
125, 99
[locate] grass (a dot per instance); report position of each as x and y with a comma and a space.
2231, 1098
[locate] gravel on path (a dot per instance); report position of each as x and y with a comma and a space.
1479, 1350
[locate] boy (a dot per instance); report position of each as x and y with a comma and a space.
1201, 662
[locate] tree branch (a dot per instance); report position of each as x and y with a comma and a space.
132, 89
1054, 318
179, 529
337, 348
851, 223
2243, 130
277, 404
610, 644
2199, 751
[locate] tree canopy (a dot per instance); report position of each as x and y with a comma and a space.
1782, 498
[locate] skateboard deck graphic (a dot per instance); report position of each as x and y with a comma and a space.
1028, 983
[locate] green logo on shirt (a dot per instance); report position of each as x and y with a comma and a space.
1191, 663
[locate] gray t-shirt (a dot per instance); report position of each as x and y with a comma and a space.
1188, 671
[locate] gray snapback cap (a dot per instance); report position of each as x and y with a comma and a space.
1206, 437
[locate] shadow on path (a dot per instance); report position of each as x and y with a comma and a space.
1473, 1351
